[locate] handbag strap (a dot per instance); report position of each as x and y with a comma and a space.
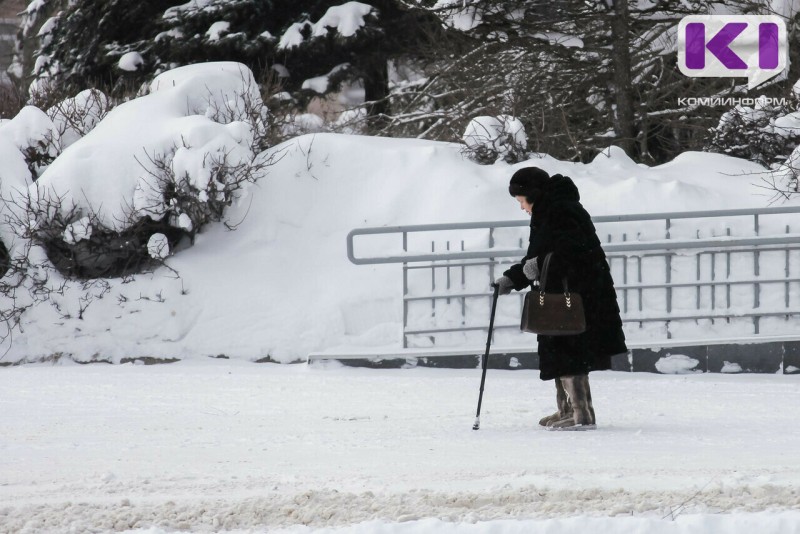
545, 268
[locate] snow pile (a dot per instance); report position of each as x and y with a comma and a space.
158, 246
491, 138
30, 134
676, 364
130, 61
731, 367
281, 285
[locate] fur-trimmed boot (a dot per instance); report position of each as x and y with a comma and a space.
580, 399
564, 410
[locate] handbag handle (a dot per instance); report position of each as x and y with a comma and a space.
545, 268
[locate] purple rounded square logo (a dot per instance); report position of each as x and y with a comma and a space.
752, 46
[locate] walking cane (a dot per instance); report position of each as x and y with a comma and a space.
477, 424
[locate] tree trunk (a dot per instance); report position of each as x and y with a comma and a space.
376, 89
623, 89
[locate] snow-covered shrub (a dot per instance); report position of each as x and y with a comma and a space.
36, 137
77, 244
77, 116
165, 163
351, 121
764, 133
785, 178
302, 123
488, 139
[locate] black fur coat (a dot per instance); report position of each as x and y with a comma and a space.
561, 225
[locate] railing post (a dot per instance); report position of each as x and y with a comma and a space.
786, 272
463, 286
756, 273
433, 290
405, 292
625, 276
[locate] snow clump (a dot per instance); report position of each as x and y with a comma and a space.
489, 139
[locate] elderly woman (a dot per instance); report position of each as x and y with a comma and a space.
560, 224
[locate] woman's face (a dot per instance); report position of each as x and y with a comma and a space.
524, 205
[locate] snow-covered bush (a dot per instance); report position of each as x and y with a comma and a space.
35, 136
488, 139
764, 133
785, 179
77, 116
165, 163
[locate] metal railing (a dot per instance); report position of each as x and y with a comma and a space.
712, 254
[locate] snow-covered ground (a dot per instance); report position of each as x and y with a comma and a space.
211, 445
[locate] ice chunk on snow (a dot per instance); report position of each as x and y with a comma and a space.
158, 246
676, 364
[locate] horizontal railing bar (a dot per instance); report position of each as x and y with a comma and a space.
597, 219
732, 315
440, 296
700, 283
452, 265
456, 265
667, 245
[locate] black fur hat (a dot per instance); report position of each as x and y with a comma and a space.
528, 181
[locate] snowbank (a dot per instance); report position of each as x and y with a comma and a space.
281, 286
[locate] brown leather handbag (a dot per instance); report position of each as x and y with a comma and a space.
552, 314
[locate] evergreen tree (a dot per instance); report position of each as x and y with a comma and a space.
87, 39
354, 41
117, 45
581, 75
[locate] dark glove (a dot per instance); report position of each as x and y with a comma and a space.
505, 285
531, 270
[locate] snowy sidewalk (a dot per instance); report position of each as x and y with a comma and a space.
232, 445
